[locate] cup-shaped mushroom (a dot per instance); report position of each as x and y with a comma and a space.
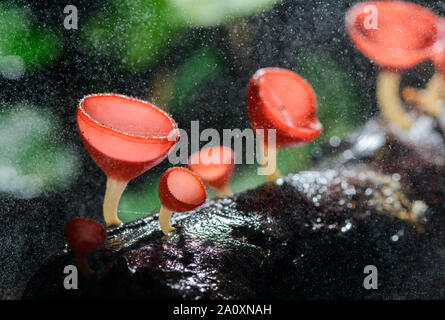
396, 35
401, 35
180, 190
84, 236
125, 137
281, 100
215, 166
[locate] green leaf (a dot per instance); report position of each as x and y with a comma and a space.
23, 45
193, 76
33, 160
205, 13
134, 33
338, 99
137, 204
339, 104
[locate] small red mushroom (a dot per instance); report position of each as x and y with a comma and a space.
215, 166
180, 190
84, 236
282, 100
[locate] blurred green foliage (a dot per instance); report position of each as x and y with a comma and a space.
338, 99
205, 13
32, 160
23, 45
191, 78
134, 33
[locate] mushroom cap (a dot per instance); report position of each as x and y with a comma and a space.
280, 99
406, 34
84, 235
125, 136
214, 165
181, 190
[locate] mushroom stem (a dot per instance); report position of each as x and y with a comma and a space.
82, 264
224, 191
429, 99
269, 166
388, 99
113, 193
164, 220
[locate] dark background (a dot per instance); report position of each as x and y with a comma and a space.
33, 228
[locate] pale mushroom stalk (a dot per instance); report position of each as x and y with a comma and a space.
224, 191
113, 193
388, 99
164, 220
270, 161
429, 99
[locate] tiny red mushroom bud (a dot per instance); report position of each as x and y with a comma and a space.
84, 236
282, 100
215, 166
180, 190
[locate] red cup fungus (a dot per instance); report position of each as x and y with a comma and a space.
180, 190
282, 100
215, 166
431, 98
405, 35
84, 236
125, 137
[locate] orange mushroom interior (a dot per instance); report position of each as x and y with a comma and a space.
186, 187
128, 116
287, 99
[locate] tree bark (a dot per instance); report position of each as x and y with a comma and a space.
377, 199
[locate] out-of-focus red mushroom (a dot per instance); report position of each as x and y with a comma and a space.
215, 166
282, 100
125, 137
405, 35
84, 236
180, 190
430, 99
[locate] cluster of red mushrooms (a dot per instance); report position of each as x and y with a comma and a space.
126, 136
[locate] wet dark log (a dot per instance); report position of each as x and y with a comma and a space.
377, 200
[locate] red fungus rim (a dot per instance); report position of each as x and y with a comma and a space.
390, 57
174, 132
311, 128
177, 202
